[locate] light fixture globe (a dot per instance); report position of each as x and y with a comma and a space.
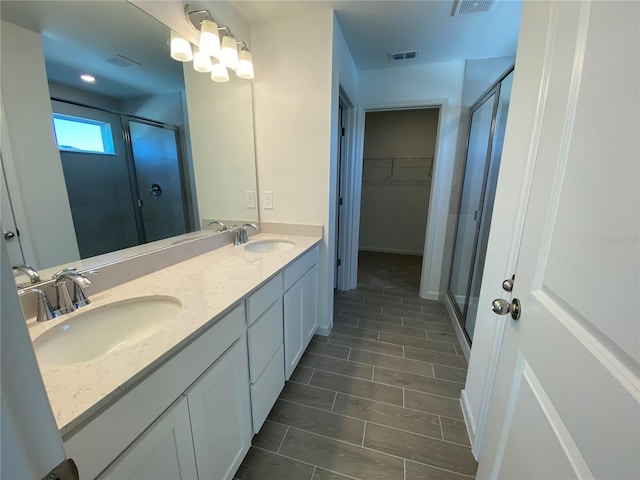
219, 73
201, 62
209, 38
180, 48
245, 64
229, 52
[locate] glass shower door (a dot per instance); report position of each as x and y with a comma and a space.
471, 202
484, 149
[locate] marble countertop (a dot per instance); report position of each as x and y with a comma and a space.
207, 286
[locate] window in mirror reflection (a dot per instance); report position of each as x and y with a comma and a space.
82, 134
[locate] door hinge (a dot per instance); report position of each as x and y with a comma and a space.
342, 132
339, 262
340, 201
67, 470
139, 203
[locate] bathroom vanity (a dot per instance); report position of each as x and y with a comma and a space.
185, 401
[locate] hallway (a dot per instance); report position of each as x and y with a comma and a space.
377, 399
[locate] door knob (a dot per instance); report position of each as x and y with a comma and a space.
507, 285
501, 306
8, 234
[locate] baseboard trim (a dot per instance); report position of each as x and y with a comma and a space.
469, 420
462, 338
324, 331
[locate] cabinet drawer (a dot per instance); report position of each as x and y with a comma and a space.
260, 300
265, 337
295, 271
266, 390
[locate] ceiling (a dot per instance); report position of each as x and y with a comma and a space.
81, 36
374, 29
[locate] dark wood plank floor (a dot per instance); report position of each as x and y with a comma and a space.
377, 399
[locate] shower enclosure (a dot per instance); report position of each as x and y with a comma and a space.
484, 151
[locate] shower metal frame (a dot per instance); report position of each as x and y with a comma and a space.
494, 89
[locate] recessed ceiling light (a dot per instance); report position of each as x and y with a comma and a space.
88, 78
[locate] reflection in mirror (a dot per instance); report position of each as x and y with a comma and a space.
151, 149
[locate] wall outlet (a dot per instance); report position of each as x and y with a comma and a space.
250, 199
268, 200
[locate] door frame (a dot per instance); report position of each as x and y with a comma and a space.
433, 251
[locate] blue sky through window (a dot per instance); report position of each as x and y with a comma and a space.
82, 134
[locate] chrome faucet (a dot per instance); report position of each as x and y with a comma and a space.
29, 271
223, 227
65, 303
240, 233
45, 310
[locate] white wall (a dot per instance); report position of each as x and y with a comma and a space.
37, 182
420, 86
222, 145
394, 210
294, 111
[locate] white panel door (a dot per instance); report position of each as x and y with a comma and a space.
566, 397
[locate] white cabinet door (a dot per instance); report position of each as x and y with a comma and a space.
163, 451
300, 318
220, 411
293, 314
309, 304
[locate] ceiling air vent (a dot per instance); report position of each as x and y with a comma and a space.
473, 6
121, 61
404, 55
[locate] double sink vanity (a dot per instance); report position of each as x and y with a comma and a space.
170, 374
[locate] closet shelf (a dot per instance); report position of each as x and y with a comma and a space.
397, 171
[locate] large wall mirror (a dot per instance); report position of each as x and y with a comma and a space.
149, 151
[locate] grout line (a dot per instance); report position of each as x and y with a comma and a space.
403, 353
403, 398
381, 452
373, 372
333, 404
364, 433
441, 429
313, 474
404, 468
283, 438
433, 370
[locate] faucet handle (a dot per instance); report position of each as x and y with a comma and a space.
45, 310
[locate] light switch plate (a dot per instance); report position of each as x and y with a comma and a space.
250, 199
268, 200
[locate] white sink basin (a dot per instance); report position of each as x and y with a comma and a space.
105, 329
269, 246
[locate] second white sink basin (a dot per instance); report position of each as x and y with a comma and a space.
269, 246
105, 329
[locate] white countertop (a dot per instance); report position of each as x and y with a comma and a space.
206, 285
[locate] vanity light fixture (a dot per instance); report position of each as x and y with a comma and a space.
229, 52
201, 61
85, 77
224, 49
209, 38
245, 63
219, 73
180, 48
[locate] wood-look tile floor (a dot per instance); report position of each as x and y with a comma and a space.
376, 400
